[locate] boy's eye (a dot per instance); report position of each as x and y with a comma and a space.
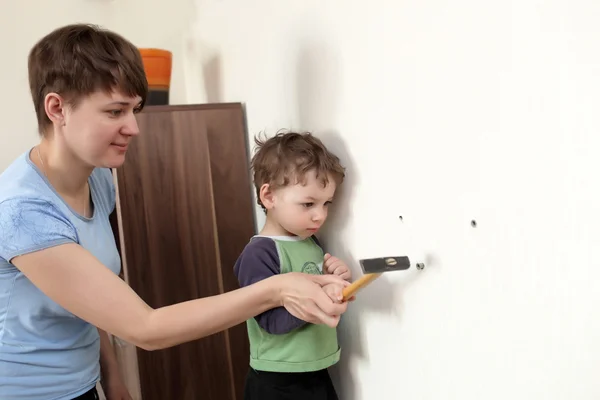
308, 205
327, 203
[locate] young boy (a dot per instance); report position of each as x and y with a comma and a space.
295, 178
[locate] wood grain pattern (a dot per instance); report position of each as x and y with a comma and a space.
186, 208
230, 169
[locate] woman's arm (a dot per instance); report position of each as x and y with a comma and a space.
76, 280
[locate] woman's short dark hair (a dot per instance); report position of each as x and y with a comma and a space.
77, 60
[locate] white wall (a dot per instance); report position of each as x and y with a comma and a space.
159, 24
444, 112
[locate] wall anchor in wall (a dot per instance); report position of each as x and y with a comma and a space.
420, 265
372, 269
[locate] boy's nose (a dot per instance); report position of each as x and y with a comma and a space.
319, 215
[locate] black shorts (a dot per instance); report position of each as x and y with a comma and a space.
91, 394
261, 385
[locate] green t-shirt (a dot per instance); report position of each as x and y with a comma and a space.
280, 342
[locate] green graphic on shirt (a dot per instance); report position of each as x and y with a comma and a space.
311, 268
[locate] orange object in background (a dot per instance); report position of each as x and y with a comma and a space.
158, 65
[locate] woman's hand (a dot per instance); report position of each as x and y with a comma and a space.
335, 292
115, 389
304, 297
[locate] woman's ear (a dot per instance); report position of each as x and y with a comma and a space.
54, 105
267, 196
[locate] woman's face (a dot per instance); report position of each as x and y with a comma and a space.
100, 127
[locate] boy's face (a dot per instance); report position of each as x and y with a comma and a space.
300, 209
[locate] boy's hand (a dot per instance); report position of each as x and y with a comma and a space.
335, 266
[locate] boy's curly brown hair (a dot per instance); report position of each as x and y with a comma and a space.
285, 159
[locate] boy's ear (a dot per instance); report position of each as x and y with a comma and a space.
266, 196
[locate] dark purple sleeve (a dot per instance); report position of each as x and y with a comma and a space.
317, 242
258, 261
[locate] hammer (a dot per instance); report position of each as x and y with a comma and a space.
373, 268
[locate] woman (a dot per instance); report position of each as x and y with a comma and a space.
59, 289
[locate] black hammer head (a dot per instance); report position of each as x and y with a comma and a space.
384, 264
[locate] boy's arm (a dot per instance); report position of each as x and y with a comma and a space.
259, 261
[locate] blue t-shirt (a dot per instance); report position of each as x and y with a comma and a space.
45, 351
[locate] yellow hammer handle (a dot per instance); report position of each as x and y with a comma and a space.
358, 284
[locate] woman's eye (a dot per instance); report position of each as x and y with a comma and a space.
115, 113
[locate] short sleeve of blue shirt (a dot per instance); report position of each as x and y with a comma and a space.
46, 352
28, 225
